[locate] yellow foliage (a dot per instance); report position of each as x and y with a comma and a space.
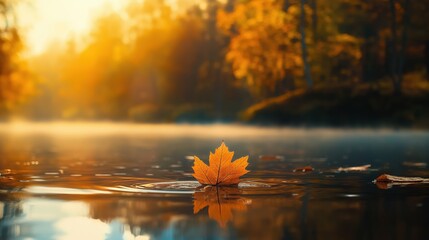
264, 47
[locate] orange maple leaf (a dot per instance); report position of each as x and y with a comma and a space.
221, 171
221, 202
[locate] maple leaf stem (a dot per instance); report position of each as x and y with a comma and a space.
218, 170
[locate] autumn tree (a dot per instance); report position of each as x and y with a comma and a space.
397, 46
264, 47
306, 64
165, 71
333, 47
417, 52
94, 78
157, 61
135, 75
15, 81
186, 63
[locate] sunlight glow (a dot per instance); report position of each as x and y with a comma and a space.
82, 228
231, 130
47, 21
41, 210
128, 235
62, 190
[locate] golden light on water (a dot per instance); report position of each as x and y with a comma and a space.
82, 228
128, 235
75, 223
38, 209
68, 220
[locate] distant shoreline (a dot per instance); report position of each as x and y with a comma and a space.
343, 106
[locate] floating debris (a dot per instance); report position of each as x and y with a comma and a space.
390, 178
5, 172
304, 169
386, 181
351, 195
415, 164
355, 169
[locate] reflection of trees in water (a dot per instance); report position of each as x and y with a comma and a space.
147, 215
271, 217
234, 215
303, 214
11, 210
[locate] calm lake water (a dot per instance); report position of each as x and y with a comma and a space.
119, 181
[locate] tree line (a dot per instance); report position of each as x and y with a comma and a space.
211, 59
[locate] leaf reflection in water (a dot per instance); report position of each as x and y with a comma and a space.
221, 201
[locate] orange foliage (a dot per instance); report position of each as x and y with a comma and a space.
264, 49
221, 171
16, 82
132, 63
157, 61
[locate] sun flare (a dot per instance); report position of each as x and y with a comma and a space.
46, 21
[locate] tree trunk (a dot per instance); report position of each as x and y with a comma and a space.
307, 73
393, 51
314, 19
286, 5
213, 57
229, 6
366, 74
404, 41
427, 58
387, 57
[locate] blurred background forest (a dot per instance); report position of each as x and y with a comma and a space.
298, 62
